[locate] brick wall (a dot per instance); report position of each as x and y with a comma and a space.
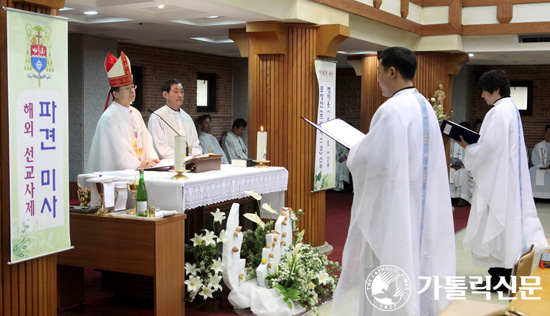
160, 64
533, 125
348, 96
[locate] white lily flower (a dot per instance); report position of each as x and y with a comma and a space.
254, 194
197, 241
193, 284
209, 238
254, 218
217, 266
206, 292
268, 208
214, 282
224, 237
323, 277
190, 268
219, 216
293, 216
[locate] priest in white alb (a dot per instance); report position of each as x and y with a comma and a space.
170, 121
209, 143
121, 140
401, 215
503, 220
540, 172
233, 144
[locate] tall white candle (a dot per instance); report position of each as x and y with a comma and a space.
261, 145
180, 144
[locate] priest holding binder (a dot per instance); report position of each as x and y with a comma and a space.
503, 220
401, 214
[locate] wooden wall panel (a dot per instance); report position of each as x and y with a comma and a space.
283, 87
27, 288
371, 95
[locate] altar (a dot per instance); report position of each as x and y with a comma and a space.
202, 189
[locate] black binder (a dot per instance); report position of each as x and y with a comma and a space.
454, 131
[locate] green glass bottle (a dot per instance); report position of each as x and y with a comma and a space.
142, 209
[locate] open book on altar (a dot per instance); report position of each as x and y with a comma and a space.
339, 130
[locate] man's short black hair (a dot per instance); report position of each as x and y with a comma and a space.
546, 127
402, 59
238, 123
203, 117
494, 80
167, 85
113, 89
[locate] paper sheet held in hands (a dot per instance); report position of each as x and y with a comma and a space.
340, 131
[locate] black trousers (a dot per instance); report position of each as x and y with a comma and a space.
496, 273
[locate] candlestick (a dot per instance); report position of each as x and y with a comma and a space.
261, 145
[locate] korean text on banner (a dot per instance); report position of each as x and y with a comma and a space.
324, 177
38, 129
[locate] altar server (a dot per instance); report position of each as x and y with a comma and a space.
401, 231
540, 172
121, 140
169, 119
232, 142
503, 220
209, 143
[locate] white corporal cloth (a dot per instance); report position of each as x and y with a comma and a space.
386, 226
204, 188
540, 178
503, 219
119, 136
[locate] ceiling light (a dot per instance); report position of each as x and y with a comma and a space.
212, 17
471, 55
161, 6
90, 12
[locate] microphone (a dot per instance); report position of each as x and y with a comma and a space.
151, 111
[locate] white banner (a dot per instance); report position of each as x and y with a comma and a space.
38, 133
324, 177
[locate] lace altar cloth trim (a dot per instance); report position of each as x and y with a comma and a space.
263, 181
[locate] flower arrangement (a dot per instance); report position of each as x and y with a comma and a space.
204, 271
304, 275
301, 276
439, 111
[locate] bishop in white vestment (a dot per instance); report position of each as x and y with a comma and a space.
169, 119
209, 143
121, 140
540, 172
503, 220
461, 182
401, 214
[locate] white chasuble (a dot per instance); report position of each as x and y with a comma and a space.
119, 136
163, 135
503, 214
386, 217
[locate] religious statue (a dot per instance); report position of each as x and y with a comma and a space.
439, 95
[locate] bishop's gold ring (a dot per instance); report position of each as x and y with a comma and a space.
147, 164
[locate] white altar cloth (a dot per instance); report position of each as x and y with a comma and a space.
204, 188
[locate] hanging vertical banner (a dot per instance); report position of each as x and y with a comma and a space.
324, 177
38, 134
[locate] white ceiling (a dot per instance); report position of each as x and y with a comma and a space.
181, 23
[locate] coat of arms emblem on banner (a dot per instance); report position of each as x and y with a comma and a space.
39, 57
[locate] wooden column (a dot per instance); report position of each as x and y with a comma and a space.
282, 86
26, 288
433, 68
